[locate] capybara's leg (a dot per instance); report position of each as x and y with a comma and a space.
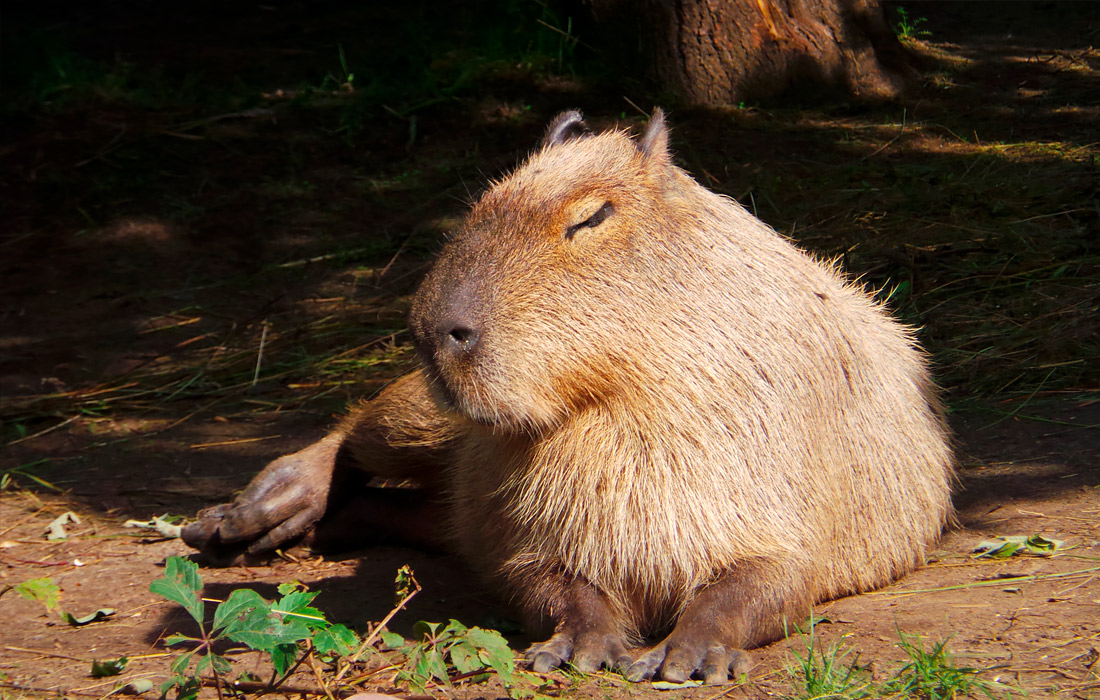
586, 634
751, 605
399, 434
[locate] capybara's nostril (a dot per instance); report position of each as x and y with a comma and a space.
462, 338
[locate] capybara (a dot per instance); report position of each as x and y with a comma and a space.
643, 411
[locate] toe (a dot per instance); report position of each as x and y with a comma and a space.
740, 663
716, 665
647, 664
551, 654
680, 663
544, 661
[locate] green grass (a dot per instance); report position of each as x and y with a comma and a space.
826, 672
833, 672
932, 674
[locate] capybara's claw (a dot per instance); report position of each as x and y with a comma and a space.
543, 661
678, 661
551, 654
645, 667
205, 528
587, 654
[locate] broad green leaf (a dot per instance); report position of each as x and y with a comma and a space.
464, 657
296, 605
392, 639
456, 628
337, 639
431, 665
44, 590
418, 683
275, 634
243, 609
221, 664
101, 669
202, 666
283, 656
181, 663
288, 588
212, 662
101, 614
494, 651
181, 584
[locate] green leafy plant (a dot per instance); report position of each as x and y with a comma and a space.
289, 631
278, 628
445, 653
906, 28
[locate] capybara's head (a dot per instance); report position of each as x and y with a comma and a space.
543, 301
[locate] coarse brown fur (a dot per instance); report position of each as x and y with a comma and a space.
648, 410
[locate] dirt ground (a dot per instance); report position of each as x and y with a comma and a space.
202, 262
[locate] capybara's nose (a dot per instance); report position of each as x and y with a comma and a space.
460, 338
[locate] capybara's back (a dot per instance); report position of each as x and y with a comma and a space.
664, 390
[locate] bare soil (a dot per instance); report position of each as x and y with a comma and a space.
158, 246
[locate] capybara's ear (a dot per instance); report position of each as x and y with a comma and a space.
565, 127
654, 142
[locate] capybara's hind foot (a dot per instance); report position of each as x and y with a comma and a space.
679, 660
744, 608
586, 652
587, 634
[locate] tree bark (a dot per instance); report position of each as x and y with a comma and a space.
714, 52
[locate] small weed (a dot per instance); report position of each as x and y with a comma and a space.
908, 29
826, 672
933, 675
275, 628
289, 631
471, 652
929, 675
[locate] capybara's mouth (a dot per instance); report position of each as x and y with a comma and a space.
441, 389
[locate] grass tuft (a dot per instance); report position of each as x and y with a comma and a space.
933, 675
827, 672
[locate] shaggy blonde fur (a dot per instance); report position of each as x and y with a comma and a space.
671, 392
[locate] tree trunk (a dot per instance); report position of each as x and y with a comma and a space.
712, 52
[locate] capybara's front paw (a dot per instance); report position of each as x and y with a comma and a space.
679, 658
586, 652
279, 507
